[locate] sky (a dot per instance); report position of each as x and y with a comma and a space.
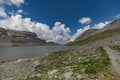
58, 21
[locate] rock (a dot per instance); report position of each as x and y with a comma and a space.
36, 63
1, 33
67, 75
52, 73
79, 76
19, 60
68, 68
35, 75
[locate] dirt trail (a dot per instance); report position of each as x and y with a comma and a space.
115, 59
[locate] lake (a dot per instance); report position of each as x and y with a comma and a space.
13, 53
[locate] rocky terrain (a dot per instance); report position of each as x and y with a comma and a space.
115, 59
88, 64
19, 38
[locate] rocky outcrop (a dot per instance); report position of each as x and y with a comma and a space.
18, 38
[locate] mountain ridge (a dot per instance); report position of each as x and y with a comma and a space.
113, 25
20, 38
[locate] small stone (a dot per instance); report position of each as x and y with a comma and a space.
67, 75
36, 63
35, 75
79, 76
53, 72
19, 60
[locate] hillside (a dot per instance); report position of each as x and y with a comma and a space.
113, 25
18, 38
108, 36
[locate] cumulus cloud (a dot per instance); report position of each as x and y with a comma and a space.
17, 2
117, 16
85, 20
58, 34
101, 25
2, 13
1, 1
12, 2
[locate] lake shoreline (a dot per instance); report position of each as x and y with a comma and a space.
8, 54
23, 59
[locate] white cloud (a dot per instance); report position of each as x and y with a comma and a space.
2, 13
19, 11
17, 2
59, 33
101, 25
1, 1
12, 2
16, 12
85, 20
117, 16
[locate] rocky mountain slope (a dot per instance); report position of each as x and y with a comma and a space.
19, 38
113, 25
92, 35
87, 34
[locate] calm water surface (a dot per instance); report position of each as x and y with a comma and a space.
13, 53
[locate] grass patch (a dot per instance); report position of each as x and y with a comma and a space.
93, 38
93, 63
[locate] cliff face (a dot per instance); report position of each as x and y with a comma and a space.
19, 38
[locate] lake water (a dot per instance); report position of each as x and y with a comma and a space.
13, 53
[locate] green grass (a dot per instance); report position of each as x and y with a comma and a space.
98, 36
91, 63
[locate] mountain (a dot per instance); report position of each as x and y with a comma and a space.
19, 38
87, 34
109, 33
113, 25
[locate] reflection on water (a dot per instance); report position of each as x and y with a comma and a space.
12, 53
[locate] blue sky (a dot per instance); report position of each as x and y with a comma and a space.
61, 20
70, 11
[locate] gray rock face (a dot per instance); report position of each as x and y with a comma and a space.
113, 25
18, 38
87, 33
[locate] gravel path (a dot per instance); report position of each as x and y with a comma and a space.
115, 59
